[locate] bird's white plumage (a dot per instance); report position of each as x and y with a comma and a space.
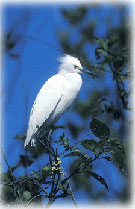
55, 96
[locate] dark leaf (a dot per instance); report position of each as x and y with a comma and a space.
89, 144
79, 154
46, 171
74, 129
117, 143
100, 144
100, 179
108, 158
25, 160
99, 129
75, 16
88, 32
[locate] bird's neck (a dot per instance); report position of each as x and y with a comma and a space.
72, 78
69, 76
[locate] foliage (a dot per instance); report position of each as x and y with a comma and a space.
51, 181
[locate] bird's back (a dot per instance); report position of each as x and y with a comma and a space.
44, 104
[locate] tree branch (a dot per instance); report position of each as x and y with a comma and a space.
78, 141
40, 187
39, 195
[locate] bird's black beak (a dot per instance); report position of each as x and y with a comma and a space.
88, 72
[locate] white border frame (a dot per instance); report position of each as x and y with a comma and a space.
130, 204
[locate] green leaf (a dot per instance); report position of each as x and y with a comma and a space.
46, 168
100, 179
121, 78
89, 144
26, 195
103, 44
99, 129
46, 171
64, 141
100, 145
97, 53
36, 176
75, 149
103, 52
60, 186
79, 154
100, 42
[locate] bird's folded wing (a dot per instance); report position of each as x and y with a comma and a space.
46, 101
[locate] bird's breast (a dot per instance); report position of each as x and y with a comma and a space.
71, 87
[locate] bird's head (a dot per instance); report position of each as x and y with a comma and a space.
70, 64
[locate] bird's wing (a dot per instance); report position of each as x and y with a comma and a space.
46, 101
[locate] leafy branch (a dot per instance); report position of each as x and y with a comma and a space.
51, 180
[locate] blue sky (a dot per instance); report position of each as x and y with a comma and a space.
38, 62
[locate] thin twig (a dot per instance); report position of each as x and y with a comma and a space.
78, 141
44, 42
40, 186
39, 195
49, 151
51, 201
73, 198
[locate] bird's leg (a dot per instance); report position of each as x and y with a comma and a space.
50, 148
50, 140
49, 135
33, 142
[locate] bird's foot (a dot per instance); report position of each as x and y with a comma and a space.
33, 142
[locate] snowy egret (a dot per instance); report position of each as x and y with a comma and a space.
55, 97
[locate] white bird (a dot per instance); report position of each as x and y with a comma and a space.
55, 97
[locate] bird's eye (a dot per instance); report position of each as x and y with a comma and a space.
75, 66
